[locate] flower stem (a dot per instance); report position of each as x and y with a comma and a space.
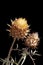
22, 58
9, 53
32, 59
11, 48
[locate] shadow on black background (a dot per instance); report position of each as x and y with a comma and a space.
34, 18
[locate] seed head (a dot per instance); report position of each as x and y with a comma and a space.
19, 28
32, 40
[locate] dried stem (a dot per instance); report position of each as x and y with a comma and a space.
37, 54
22, 58
11, 48
16, 50
31, 58
10, 51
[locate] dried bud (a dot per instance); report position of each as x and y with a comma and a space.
32, 40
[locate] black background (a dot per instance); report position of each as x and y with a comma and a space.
32, 12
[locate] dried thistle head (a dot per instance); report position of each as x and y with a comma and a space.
19, 28
32, 40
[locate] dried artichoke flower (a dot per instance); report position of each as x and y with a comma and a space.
19, 28
32, 40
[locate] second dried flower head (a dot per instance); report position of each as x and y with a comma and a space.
32, 40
